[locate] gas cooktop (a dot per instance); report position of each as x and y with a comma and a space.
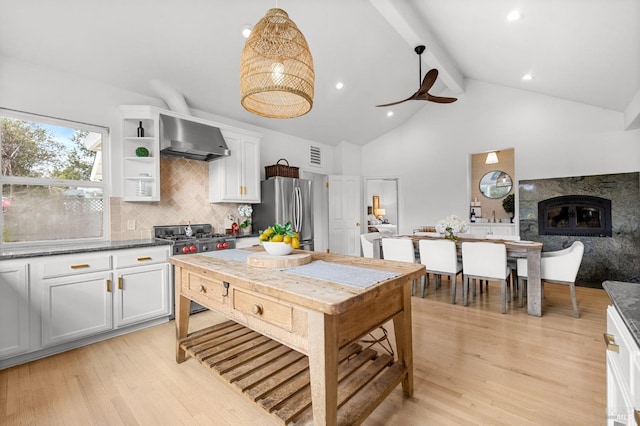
202, 238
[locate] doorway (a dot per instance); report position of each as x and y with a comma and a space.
381, 202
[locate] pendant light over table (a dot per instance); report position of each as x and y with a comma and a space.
492, 158
276, 69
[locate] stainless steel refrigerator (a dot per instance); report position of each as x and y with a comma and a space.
286, 200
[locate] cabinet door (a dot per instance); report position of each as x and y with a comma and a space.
251, 170
225, 174
14, 309
236, 178
75, 307
142, 293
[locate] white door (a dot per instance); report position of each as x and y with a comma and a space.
344, 215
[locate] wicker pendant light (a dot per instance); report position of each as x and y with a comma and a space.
276, 69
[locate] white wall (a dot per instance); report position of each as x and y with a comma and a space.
347, 159
429, 154
551, 137
46, 91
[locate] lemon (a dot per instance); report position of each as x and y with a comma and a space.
263, 237
286, 239
277, 238
295, 243
268, 231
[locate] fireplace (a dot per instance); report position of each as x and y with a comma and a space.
615, 258
575, 215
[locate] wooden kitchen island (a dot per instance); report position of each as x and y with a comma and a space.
291, 344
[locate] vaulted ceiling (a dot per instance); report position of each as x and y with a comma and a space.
585, 51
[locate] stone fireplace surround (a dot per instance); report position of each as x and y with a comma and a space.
605, 258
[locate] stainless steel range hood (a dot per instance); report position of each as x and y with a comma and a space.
189, 139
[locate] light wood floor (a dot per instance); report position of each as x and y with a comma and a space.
473, 365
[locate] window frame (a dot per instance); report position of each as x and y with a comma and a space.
104, 184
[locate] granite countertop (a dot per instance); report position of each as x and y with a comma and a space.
626, 299
7, 253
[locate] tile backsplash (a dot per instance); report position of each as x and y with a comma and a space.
184, 196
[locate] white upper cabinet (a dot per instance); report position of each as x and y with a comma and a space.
232, 179
236, 178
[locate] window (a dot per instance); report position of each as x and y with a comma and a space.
53, 187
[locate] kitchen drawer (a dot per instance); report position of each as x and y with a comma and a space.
141, 256
621, 345
204, 290
60, 266
267, 310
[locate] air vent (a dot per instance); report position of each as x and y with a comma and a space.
315, 157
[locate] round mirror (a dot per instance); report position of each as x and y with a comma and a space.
495, 184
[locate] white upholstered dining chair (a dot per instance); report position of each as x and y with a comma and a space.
440, 258
399, 249
368, 243
559, 267
485, 261
511, 262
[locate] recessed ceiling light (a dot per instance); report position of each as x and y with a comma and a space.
246, 31
514, 15
339, 85
389, 113
527, 77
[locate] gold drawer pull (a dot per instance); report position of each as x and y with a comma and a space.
82, 265
257, 309
610, 341
142, 259
636, 416
108, 286
120, 283
203, 289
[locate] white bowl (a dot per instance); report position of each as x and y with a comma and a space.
277, 249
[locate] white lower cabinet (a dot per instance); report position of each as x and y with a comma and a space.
54, 303
247, 242
76, 307
485, 228
623, 382
14, 308
142, 286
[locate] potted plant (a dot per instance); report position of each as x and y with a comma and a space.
508, 205
245, 210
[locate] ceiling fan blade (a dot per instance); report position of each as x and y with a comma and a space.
412, 97
428, 81
440, 99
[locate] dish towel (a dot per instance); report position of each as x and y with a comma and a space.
342, 274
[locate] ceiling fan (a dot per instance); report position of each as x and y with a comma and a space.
423, 92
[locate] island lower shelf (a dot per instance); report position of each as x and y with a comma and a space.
276, 377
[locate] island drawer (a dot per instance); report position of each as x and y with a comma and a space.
268, 310
141, 256
60, 266
204, 290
